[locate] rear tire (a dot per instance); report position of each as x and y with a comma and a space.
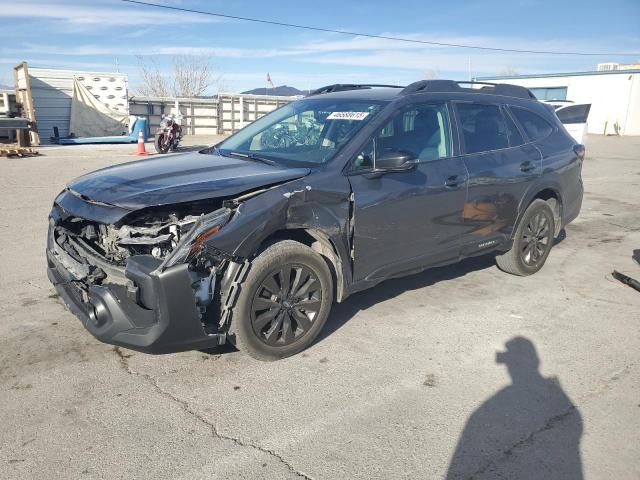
283, 303
532, 241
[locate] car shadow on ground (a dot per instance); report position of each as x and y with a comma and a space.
341, 313
560, 238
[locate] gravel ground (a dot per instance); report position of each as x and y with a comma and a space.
404, 382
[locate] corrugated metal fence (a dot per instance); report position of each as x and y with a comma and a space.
224, 114
52, 90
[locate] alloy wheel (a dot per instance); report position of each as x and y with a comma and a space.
536, 239
285, 304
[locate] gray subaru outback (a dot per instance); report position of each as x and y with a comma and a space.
252, 240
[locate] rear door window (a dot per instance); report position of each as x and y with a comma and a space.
574, 113
533, 124
483, 127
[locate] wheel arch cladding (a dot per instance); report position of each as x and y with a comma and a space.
548, 193
554, 199
319, 242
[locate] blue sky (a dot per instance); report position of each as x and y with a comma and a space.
95, 35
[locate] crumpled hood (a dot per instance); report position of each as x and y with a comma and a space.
178, 178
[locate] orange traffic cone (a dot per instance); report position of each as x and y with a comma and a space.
141, 150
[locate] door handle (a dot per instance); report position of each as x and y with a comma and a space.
527, 166
453, 181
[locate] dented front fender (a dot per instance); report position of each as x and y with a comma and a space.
318, 203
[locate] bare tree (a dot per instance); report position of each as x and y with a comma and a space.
154, 82
508, 71
188, 77
192, 76
432, 74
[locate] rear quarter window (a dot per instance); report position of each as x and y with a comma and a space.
533, 124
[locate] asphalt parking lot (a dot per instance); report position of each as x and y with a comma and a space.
403, 383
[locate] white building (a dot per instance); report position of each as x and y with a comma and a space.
614, 95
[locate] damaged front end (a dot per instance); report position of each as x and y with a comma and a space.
145, 282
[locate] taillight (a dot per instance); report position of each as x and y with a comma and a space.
579, 151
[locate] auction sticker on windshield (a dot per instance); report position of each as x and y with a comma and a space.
348, 116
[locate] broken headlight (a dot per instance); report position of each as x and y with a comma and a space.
193, 242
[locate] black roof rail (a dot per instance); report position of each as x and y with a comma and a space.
504, 89
341, 87
431, 86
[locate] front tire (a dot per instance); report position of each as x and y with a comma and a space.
283, 303
159, 143
532, 241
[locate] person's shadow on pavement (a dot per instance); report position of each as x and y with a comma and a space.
528, 430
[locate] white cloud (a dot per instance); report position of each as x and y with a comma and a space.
342, 51
371, 59
225, 52
98, 50
388, 54
545, 44
69, 64
93, 15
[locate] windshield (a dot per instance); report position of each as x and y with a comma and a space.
308, 131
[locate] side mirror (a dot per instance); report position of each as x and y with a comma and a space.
395, 161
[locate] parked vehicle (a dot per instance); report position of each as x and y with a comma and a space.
252, 240
168, 134
573, 116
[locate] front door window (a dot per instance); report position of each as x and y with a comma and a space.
420, 130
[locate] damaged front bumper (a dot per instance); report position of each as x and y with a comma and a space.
153, 312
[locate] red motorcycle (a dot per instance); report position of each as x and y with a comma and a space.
169, 134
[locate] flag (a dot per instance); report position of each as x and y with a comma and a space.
269, 81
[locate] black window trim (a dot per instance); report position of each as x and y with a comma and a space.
350, 170
523, 134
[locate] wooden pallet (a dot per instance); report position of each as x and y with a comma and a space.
16, 151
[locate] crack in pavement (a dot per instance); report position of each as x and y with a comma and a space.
552, 421
124, 363
528, 440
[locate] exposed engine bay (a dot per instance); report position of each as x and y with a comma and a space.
151, 235
97, 254
153, 232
